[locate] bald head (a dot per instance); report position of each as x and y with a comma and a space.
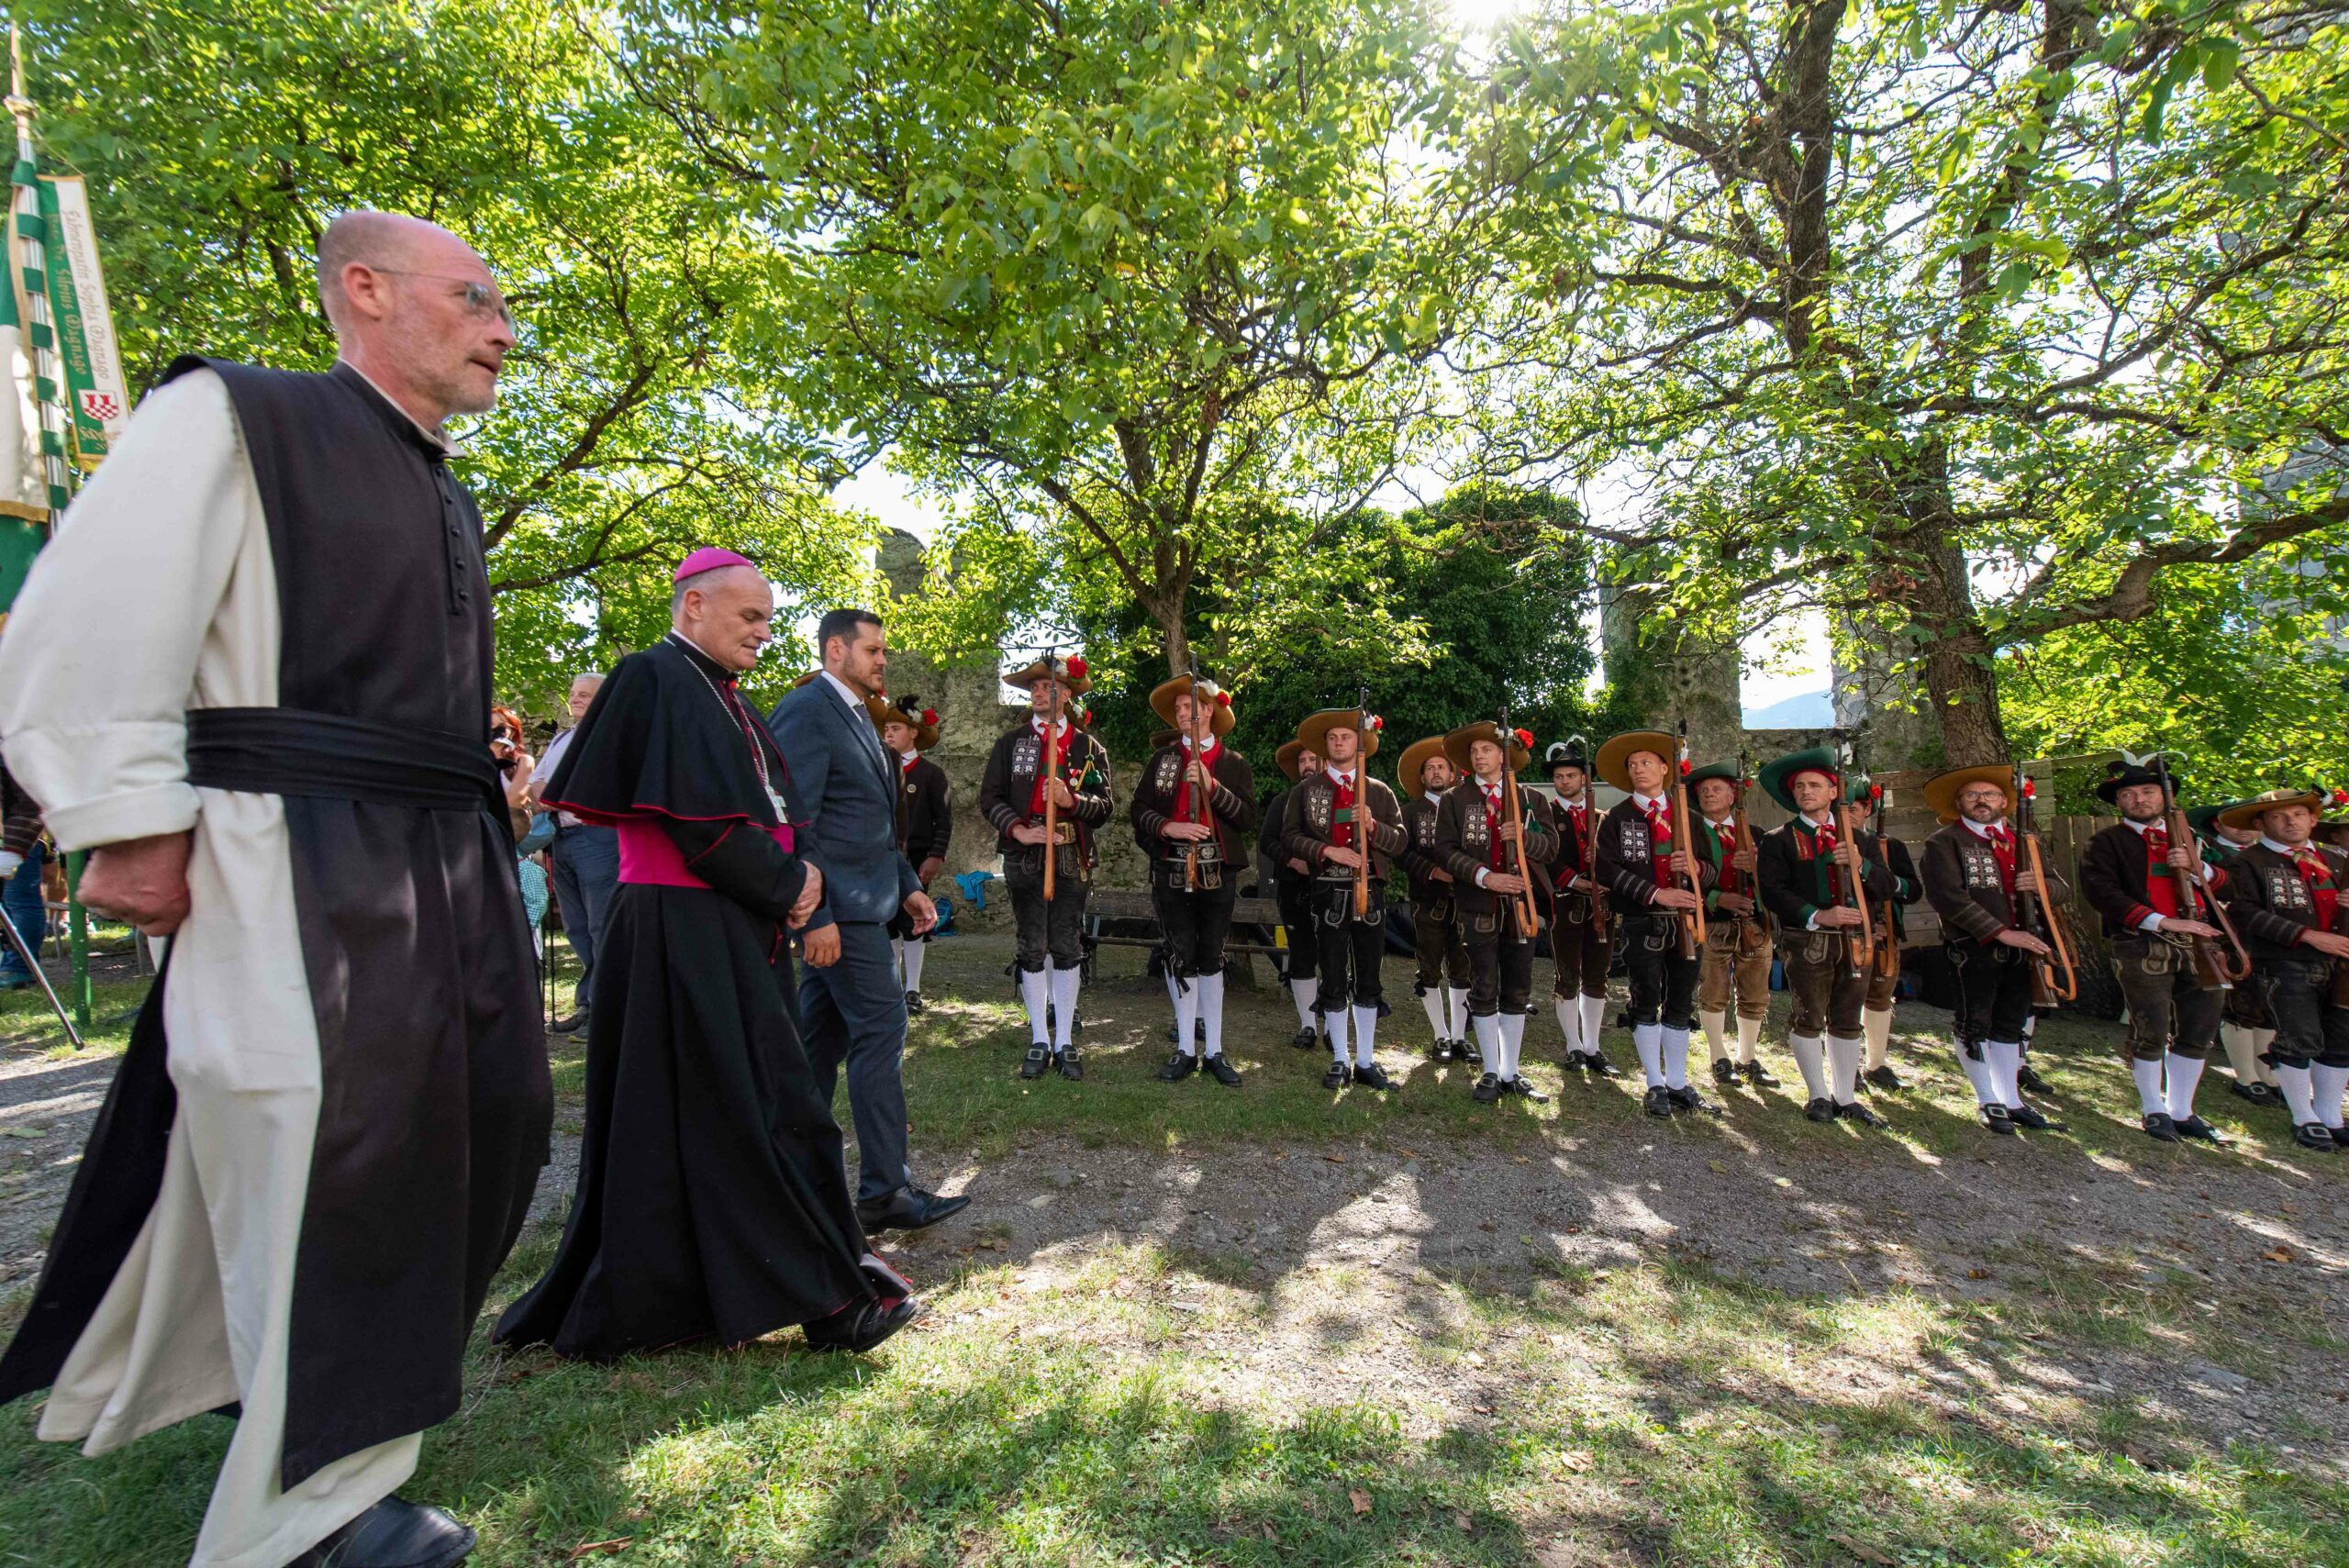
417, 310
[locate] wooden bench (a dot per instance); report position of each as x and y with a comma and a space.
1133, 905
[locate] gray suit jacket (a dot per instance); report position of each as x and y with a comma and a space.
843, 799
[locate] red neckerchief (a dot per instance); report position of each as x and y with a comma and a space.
1182, 794
2161, 888
906, 764
1659, 816
1821, 846
2316, 875
1341, 798
1068, 736
2002, 847
1492, 793
1726, 832
1569, 862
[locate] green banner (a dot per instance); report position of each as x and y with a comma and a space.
94, 396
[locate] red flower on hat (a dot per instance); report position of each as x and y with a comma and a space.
1223, 699
1875, 792
2030, 790
929, 716
1376, 722
1076, 668
1524, 738
1686, 767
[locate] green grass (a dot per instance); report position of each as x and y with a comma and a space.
1113, 1403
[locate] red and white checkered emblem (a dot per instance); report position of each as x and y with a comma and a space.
101, 405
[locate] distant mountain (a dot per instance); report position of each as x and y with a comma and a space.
1804, 710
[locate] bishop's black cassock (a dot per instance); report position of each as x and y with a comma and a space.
712, 1198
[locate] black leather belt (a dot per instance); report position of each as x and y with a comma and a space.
291, 750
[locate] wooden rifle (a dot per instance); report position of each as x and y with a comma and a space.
2053, 979
1590, 842
1753, 932
1888, 936
1692, 921
1362, 804
2214, 966
1513, 807
1207, 796
1052, 776
1859, 941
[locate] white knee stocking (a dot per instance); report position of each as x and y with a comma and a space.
1843, 1053
1210, 990
2149, 1086
2006, 1063
2300, 1093
1569, 1023
1594, 1019
1749, 1038
1648, 1040
911, 962
1432, 1004
1033, 991
1978, 1073
2328, 1084
1459, 1012
1305, 993
1365, 1028
1063, 1007
1878, 1023
1676, 1057
1335, 1022
1512, 1042
2185, 1075
1716, 1027
1488, 1042
1186, 1014
1810, 1056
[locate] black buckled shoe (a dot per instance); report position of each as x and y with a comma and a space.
1759, 1076
2194, 1127
861, 1328
1371, 1075
1821, 1110
1224, 1071
1071, 1068
1882, 1078
1440, 1050
1338, 1076
1036, 1062
907, 1209
2030, 1083
2257, 1094
913, 1004
1688, 1099
1996, 1119
1305, 1037
2159, 1128
1657, 1101
1859, 1113
1524, 1090
2314, 1135
395, 1533
1488, 1090
1595, 1062
2025, 1116
1178, 1067
1725, 1072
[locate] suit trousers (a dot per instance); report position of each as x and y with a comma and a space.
852, 1013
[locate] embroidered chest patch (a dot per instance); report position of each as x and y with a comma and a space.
1981, 867
1472, 831
1633, 836
1169, 772
1027, 755
1423, 828
1316, 809
2286, 891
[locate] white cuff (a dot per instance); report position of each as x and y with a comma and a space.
1480, 874
113, 818
2150, 923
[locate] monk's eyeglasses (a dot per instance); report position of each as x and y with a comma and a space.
481, 300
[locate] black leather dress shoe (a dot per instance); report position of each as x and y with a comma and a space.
1072, 1069
1524, 1090
2257, 1094
1038, 1061
1305, 1037
907, 1209
861, 1328
1761, 1077
1178, 1067
1371, 1075
2308, 1134
1594, 1063
1687, 1099
1854, 1111
1340, 1074
1882, 1078
571, 1024
1996, 1119
2159, 1128
2026, 1080
913, 1004
1725, 1072
2194, 1127
1658, 1100
1821, 1110
2025, 1115
1224, 1071
395, 1533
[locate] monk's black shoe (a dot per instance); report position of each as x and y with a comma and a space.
2257, 1094
2194, 1127
1038, 1061
907, 1209
2159, 1128
1595, 1062
1178, 1067
1687, 1099
1224, 1071
1854, 1111
395, 1533
913, 1004
861, 1328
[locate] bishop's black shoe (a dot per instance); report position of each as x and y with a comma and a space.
856, 1330
1658, 1101
395, 1533
1761, 1077
1524, 1090
1488, 1090
1178, 1067
1371, 1075
1859, 1113
2194, 1127
1038, 1061
1224, 1071
2159, 1128
1338, 1076
1725, 1072
1882, 1078
1305, 1037
1996, 1119
1821, 1109
2025, 1116
1071, 1068
2030, 1081
913, 1004
907, 1209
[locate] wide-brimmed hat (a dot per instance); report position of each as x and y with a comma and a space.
907, 709
1162, 739
2202, 818
1573, 752
1941, 791
1317, 726
2245, 813
1415, 763
1070, 672
1161, 702
1287, 758
1726, 772
1863, 790
2123, 771
1518, 747
1777, 774
1619, 749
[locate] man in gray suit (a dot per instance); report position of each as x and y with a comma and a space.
843, 800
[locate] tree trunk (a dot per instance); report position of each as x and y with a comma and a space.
1959, 680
